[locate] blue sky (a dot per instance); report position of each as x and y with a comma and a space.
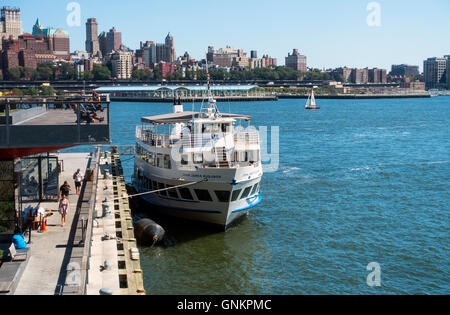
330, 33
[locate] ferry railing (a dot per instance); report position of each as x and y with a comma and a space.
246, 138
195, 141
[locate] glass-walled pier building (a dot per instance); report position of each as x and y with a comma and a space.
186, 93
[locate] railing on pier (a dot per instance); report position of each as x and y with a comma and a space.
54, 121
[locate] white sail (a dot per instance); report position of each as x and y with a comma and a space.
308, 101
313, 99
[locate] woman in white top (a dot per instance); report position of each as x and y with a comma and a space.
78, 179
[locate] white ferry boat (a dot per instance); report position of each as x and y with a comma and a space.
201, 166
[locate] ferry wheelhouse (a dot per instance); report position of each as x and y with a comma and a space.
203, 166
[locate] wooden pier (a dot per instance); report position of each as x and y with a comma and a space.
114, 262
130, 272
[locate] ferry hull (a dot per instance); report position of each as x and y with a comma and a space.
221, 219
240, 186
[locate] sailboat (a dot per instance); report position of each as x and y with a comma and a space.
311, 103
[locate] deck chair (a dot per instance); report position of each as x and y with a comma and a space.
17, 256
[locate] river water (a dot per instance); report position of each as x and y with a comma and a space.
358, 181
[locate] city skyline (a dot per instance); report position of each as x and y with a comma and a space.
339, 34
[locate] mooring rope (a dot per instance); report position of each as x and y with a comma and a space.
156, 191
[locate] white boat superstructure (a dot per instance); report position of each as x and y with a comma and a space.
213, 162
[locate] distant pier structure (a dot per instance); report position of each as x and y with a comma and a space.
187, 93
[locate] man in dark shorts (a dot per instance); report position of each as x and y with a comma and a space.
64, 190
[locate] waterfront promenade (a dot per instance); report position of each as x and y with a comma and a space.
43, 274
95, 252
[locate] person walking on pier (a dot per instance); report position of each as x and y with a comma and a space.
78, 177
64, 190
63, 209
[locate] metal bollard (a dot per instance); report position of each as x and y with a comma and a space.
106, 291
105, 208
106, 265
83, 231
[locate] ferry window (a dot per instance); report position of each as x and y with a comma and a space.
144, 182
151, 158
184, 159
162, 186
215, 127
172, 192
240, 156
198, 158
203, 194
255, 188
185, 193
160, 160
206, 128
154, 185
222, 195
236, 194
167, 161
246, 192
253, 155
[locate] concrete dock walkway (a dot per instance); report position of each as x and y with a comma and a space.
42, 275
93, 253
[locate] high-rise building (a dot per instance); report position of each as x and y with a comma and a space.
153, 53
102, 41
149, 53
240, 61
122, 64
113, 40
92, 41
222, 57
434, 71
448, 72
345, 72
166, 68
404, 70
27, 51
296, 61
377, 75
269, 61
360, 76
253, 54
27, 58
10, 23
169, 54
59, 39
